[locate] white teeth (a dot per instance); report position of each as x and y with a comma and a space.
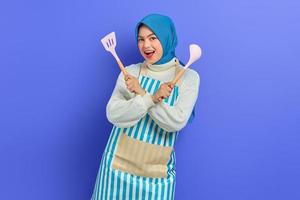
149, 52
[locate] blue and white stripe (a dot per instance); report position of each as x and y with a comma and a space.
114, 184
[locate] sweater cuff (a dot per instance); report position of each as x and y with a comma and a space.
148, 100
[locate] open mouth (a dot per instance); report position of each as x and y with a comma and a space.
149, 54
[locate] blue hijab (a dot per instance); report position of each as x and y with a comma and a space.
163, 27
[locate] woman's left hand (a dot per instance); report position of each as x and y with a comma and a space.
163, 92
133, 85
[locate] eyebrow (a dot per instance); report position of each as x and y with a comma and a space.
147, 35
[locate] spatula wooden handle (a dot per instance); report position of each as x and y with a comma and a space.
122, 67
178, 76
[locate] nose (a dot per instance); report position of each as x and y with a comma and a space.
146, 43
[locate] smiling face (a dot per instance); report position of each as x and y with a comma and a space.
149, 45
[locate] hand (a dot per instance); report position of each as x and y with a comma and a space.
133, 85
163, 92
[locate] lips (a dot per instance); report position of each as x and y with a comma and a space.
149, 54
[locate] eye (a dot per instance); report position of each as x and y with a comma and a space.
153, 38
140, 40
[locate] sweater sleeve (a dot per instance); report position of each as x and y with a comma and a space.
174, 118
125, 109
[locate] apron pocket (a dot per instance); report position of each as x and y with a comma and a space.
140, 158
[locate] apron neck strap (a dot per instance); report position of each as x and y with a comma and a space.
143, 70
177, 70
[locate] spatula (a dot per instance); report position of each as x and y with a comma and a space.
195, 54
109, 42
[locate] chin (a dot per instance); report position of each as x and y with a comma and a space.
151, 61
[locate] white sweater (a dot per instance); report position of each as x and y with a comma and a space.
125, 109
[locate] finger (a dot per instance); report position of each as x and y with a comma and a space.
130, 86
129, 82
130, 89
168, 89
170, 84
166, 94
164, 86
127, 77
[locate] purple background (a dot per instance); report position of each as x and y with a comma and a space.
56, 79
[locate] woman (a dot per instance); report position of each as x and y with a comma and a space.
147, 112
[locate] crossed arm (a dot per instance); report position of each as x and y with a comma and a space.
129, 103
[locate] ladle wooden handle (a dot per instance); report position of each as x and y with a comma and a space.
178, 76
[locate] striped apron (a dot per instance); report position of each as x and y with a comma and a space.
139, 180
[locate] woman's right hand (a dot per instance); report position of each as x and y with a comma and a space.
163, 92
